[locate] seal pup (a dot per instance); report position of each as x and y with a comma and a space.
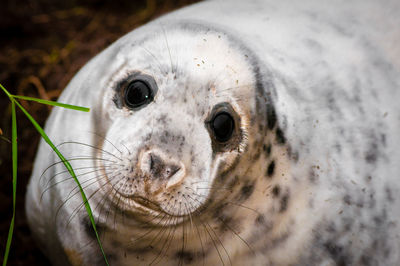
231, 133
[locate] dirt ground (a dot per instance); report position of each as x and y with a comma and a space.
43, 43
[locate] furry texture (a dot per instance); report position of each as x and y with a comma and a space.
309, 177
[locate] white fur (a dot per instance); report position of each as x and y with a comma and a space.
314, 51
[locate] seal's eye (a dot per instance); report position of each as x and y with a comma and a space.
223, 126
138, 93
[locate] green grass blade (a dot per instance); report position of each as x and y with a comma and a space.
69, 106
70, 170
6, 91
14, 180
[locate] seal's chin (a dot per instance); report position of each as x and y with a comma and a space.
150, 210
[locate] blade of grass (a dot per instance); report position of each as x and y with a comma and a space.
6, 91
69, 106
14, 180
70, 170
66, 163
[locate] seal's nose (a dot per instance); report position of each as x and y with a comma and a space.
161, 169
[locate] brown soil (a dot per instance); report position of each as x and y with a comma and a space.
43, 43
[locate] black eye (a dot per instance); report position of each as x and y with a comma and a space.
138, 93
223, 126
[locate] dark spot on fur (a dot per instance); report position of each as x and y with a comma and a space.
383, 139
360, 204
280, 137
347, 223
263, 226
147, 137
267, 150
271, 117
366, 259
378, 220
276, 190
246, 191
219, 210
271, 169
389, 194
371, 155
338, 147
260, 219
284, 202
372, 201
331, 228
185, 256
162, 119
347, 199
337, 253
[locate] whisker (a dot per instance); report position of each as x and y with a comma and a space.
129, 152
197, 229
96, 178
75, 159
183, 236
78, 168
151, 229
171, 235
80, 206
163, 230
155, 58
107, 140
90, 146
212, 239
235, 233
216, 236
169, 50
233, 203
67, 179
168, 239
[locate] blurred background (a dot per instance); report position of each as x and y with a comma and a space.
43, 43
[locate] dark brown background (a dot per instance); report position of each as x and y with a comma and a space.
43, 43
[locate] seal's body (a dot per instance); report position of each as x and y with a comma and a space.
232, 132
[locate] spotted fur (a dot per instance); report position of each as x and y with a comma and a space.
308, 177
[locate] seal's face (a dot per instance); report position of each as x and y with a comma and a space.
176, 123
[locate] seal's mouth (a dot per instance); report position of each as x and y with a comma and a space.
152, 207
160, 217
146, 203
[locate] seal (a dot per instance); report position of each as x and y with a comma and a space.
231, 133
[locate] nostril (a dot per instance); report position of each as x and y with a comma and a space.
171, 170
160, 169
156, 163
151, 162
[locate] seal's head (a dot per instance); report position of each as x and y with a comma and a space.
179, 114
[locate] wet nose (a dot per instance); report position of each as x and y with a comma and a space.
161, 170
